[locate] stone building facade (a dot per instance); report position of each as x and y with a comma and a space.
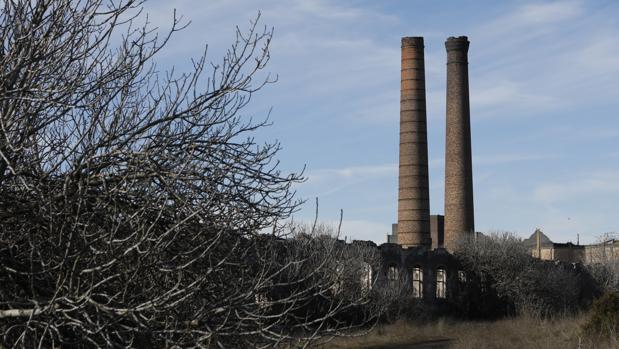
431, 274
543, 248
602, 252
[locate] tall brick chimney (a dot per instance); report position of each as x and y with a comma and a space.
459, 213
413, 189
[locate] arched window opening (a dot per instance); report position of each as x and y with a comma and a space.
261, 296
392, 274
261, 299
366, 277
417, 282
441, 283
338, 281
462, 276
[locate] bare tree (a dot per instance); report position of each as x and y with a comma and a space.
532, 286
333, 284
131, 200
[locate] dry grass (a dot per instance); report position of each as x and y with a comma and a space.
521, 332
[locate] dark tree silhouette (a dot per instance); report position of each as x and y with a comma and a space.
132, 201
531, 286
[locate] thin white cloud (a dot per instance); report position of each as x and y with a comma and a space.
497, 159
317, 51
561, 226
490, 98
541, 58
538, 60
353, 172
548, 12
333, 11
529, 20
356, 172
356, 229
487, 160
327, 182
577, 188
594, 66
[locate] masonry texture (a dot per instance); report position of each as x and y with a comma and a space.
459, 213
413, 189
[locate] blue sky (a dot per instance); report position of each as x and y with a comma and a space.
544, 92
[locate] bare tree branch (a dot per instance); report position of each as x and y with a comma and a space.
132, 201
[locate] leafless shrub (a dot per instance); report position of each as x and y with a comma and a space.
394, 292
534, 287
603, 321
131, 201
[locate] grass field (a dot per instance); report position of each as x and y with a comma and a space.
521, 332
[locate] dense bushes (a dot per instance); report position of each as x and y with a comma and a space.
132, 199
524, 284
604, 318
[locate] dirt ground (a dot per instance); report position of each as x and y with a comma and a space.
521, 332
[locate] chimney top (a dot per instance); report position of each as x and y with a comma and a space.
458, 38
412, 41
457, 43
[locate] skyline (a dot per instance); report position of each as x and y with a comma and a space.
537, 70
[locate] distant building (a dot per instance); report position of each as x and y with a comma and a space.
393, 237
545, 249
435, 276
603, 252
437, 232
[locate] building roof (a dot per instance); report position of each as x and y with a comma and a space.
566, 245
531, 242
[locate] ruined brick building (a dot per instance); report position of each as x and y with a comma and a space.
420, 245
